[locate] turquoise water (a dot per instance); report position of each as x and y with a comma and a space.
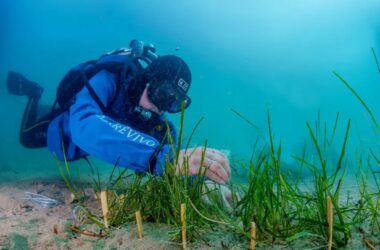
252, 56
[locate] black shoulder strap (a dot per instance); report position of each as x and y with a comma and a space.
92, 92
120, 81
121, 70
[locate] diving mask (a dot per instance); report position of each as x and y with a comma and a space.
168, 96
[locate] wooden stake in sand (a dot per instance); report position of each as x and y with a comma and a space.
104, 202
183, 222
330, 221
139, 224
253, 235
85, 232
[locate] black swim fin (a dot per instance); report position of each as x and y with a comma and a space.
17, 84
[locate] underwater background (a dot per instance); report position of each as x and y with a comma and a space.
252, 56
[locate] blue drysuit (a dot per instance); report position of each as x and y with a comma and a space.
116, 137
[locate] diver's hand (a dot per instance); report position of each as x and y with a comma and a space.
216, 163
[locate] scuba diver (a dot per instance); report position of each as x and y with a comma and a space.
113, 108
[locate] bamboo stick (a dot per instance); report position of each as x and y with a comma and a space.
85, 232
104, 202
253, 235
368, 244
183, 222
330, 221
139, 224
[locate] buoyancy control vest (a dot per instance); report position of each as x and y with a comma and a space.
118, 62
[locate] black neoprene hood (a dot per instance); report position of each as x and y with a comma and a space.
170, 68
169, 80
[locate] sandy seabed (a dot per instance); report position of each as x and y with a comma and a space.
25, 225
